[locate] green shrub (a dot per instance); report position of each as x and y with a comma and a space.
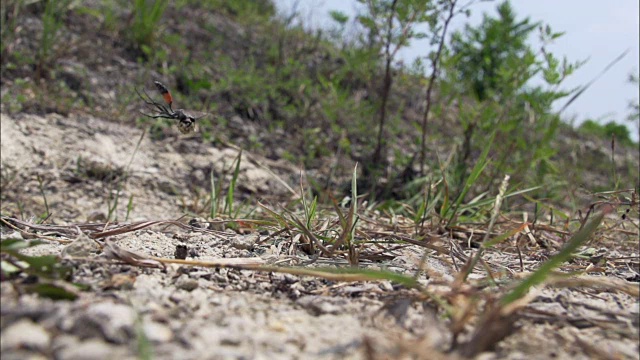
494, 63
145, 26
608, 130
51, 24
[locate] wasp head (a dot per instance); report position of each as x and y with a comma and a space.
186, 122
187, 125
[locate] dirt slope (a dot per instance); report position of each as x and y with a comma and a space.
82, 159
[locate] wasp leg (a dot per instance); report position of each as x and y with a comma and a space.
149, 101
162, 116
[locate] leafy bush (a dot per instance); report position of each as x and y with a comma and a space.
9, 13
243, 11
51, 22
495, 65
608, 130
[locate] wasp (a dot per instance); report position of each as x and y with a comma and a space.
186, 122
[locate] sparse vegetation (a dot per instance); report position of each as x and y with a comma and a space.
496, 63
145, 27
608, 131
50, 39
634, 105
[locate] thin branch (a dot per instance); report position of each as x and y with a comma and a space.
434, 74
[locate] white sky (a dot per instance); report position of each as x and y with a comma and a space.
595, 30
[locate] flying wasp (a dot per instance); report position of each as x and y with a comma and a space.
186, 122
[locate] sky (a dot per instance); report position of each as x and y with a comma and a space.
595, 30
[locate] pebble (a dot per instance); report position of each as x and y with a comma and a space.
83, 246
25, 334
319, 305
157, 332
113, 321
63, 341
181, 251
22, 355
187, 284
92, 349
245, 242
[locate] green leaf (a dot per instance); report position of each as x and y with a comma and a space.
339, 17
52, 291
10, 245
373, 275
367, 22
9, 268
46, 266
232, 186
481, 164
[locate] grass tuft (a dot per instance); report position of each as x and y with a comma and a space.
545, 270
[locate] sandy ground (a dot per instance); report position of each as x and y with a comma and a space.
200, 313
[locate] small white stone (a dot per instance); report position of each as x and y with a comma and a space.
90, 350
25, 334
157, 332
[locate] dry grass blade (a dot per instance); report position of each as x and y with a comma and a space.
588, 85
494, 216
23, 226
29, 235
347, 223
218, 263
331, 274
426, 243
344, 274
113, 251
95, 231
122, 229
608, 283
594, 351
129, 228
261, 161
343, 223
494, 326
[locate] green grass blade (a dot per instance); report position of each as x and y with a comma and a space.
129, 207
234, 180
354, 201
213, 195
565, 254
493, 199
44, 197
363, 274
498, 239
481, 164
